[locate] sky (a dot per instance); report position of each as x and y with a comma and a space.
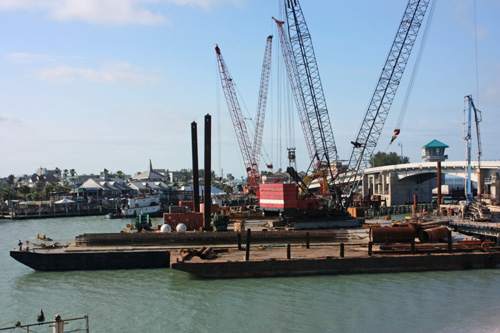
93, 84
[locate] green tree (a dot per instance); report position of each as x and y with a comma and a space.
57, 173
23, 190
10, 179
381, 159
119, 174
228, 189
7, 192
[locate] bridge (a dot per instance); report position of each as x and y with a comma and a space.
396, 184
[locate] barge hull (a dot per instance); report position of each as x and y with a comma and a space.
329, 266
70, 261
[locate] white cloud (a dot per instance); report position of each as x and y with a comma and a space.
91, 11
117, 73
27, 58
9, 120
206, 4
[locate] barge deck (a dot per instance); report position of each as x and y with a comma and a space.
325, 260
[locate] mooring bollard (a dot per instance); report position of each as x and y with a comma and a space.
370, 245
288, 251
413, 247
341, 250
247, 252
450, 242
307, 240
239, 241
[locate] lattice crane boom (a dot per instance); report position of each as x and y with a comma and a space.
239, 125
261, 105
383, 96
310, 82
294, 79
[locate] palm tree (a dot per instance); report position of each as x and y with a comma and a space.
65, 176
24, 189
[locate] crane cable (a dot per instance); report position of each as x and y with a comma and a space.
475, 44
413, 75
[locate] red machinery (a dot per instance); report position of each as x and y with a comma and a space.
283, 198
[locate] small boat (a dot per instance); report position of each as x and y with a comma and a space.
142, 205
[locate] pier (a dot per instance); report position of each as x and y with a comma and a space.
476, 229
36, 210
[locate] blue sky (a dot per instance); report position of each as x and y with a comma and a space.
94, 84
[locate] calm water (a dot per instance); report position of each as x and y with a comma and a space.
162, 300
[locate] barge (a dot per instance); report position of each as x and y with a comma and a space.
321, 261
143, 250
65, 256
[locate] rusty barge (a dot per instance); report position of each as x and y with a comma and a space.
142, 250
328, 261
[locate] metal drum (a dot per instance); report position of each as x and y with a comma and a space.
392, 235
434, 234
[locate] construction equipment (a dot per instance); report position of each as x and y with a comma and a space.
251, 154
293, 77
383, 96
469, 106
305, 80
475, 211
262, 101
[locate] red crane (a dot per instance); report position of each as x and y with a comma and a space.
251, 154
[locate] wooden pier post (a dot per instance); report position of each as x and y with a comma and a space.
415, 205
341, 250
288, 251
247, 250
450, 242
239, 241
413, 247
370, 246
307, 240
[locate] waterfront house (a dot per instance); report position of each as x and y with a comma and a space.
149, 175
104, 187
148, 187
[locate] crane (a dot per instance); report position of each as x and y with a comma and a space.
293, 78
383, 96
306, 76
251, 154
262, 101
469, 105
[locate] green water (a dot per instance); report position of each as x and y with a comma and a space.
163, 300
